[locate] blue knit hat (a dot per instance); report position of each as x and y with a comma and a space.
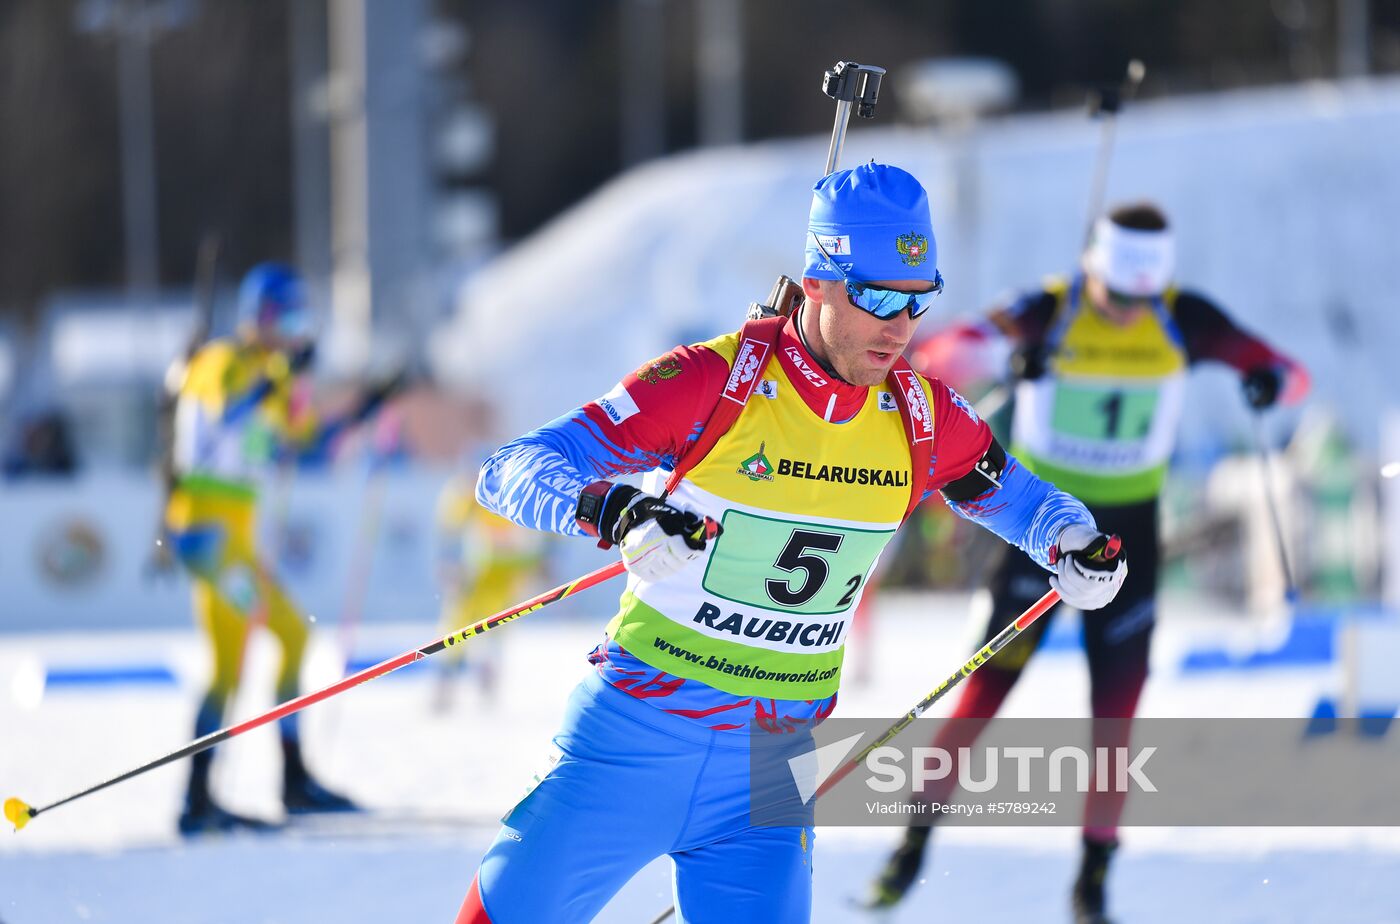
873, 220
272, 295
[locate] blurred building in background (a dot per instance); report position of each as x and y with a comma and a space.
391, 148
343, 136
501, 195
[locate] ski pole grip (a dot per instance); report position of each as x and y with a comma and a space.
709, 530
1104, 549
1097, 555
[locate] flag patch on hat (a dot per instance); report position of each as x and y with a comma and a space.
912, 247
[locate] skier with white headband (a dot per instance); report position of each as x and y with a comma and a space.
1099, 362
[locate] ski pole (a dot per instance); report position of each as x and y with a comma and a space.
1106, 550
1002, 639
1290, 591
1106, 102
361, 567
19, 813
977, 660
162, 562
377, 453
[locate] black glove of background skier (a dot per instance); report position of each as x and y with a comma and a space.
1261, 387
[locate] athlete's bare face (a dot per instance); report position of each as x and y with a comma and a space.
1118, 309
268, 337
860, 347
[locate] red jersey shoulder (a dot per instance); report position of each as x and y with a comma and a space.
670, 389
663, 368
961, 437
956, 402
692, 362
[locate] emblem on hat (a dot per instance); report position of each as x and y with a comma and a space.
912, 247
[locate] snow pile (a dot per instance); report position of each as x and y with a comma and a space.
1284, 201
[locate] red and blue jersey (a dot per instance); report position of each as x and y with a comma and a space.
647, 422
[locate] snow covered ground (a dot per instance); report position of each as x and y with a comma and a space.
437, 781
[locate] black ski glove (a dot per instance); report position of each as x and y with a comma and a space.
1261, 387
609, 511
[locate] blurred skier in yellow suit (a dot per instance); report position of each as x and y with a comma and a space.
485, 564
238, 412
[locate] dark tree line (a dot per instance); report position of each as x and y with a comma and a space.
549, 70
222, 141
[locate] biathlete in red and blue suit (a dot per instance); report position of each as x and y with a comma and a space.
723, 634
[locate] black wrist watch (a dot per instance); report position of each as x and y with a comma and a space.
589, 512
